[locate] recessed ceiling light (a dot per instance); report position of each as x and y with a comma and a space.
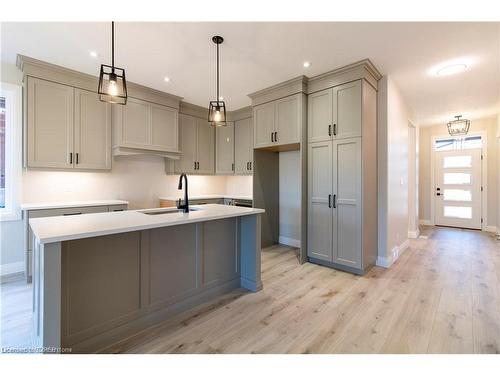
93, 54
451, 69
166, 79
306, 64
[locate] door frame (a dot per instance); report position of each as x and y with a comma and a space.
484, 176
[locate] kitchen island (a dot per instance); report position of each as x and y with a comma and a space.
99, 278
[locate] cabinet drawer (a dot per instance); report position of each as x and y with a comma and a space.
118, 207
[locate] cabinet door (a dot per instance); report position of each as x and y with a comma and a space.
288, 118
320, 201
205, 156
50, 124
319, 116
92, 131
187, 142
263, 116
164, 128
134, 124
224, 149
243, 146
347, 110
347, 182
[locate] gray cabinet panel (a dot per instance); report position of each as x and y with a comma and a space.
288, 120
347, 220
92, 131
243, 146
164, 128
224, 158
187, 142
135, 129
319, 191
50, 124
205, 147
263, 116
319, 114
347, 108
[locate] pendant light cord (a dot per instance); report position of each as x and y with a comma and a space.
113, 46
218, 73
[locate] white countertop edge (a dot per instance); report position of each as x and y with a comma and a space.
50, 205
134, 228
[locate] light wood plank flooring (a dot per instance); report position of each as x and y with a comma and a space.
441, 296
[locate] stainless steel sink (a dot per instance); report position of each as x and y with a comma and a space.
165, 212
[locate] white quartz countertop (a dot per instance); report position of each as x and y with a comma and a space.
48, 205
212, 196
64, 228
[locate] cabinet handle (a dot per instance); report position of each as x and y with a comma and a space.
198, 165
329, 201
272, 134
334, 200
72, 214
250, 165
77, 158
334, 129
232, 167
329, 130
194, 165
275, 136
71, 158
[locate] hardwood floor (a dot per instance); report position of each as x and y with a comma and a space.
441, 296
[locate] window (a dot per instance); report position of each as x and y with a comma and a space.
10, 151
459, 143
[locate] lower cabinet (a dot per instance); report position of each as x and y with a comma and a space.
335, 229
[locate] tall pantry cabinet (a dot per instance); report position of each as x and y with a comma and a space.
342, 165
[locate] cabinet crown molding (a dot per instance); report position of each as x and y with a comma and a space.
59, 74
292, 86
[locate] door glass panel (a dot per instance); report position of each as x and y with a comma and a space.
456, 178
462, 161
462, 143
457, 195
458, 212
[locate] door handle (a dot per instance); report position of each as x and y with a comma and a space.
334, 200
329, 201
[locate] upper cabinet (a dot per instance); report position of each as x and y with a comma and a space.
196, 139
66, 127
278, 122
224, 149
243, 146
335, 113
146, 126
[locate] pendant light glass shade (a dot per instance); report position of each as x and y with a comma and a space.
459, 126
217, 108
112, 83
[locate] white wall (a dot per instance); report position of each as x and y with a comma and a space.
488, 125
393, 117
289, 198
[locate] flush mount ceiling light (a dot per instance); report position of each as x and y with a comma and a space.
112, 83
451, 67
458, 126
217, 108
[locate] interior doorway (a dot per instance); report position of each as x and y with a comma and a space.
458, 182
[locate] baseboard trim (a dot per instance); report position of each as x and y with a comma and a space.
425, 222
288, 241
11, 268
395, 253
413, 233
490, 228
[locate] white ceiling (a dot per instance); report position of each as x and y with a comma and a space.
257, 55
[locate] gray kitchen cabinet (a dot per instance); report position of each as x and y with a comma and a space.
335, 113
92, 146
224, 149
145, 126
50, 124
197, 145
63, 211
342, 179
67, 127
243, 146
278, 123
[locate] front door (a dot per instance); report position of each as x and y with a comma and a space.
457, 188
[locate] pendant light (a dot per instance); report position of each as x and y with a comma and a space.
458, 126
217, 108
112, 84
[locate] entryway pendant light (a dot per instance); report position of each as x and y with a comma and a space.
458, 126
112, 84
217, 108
